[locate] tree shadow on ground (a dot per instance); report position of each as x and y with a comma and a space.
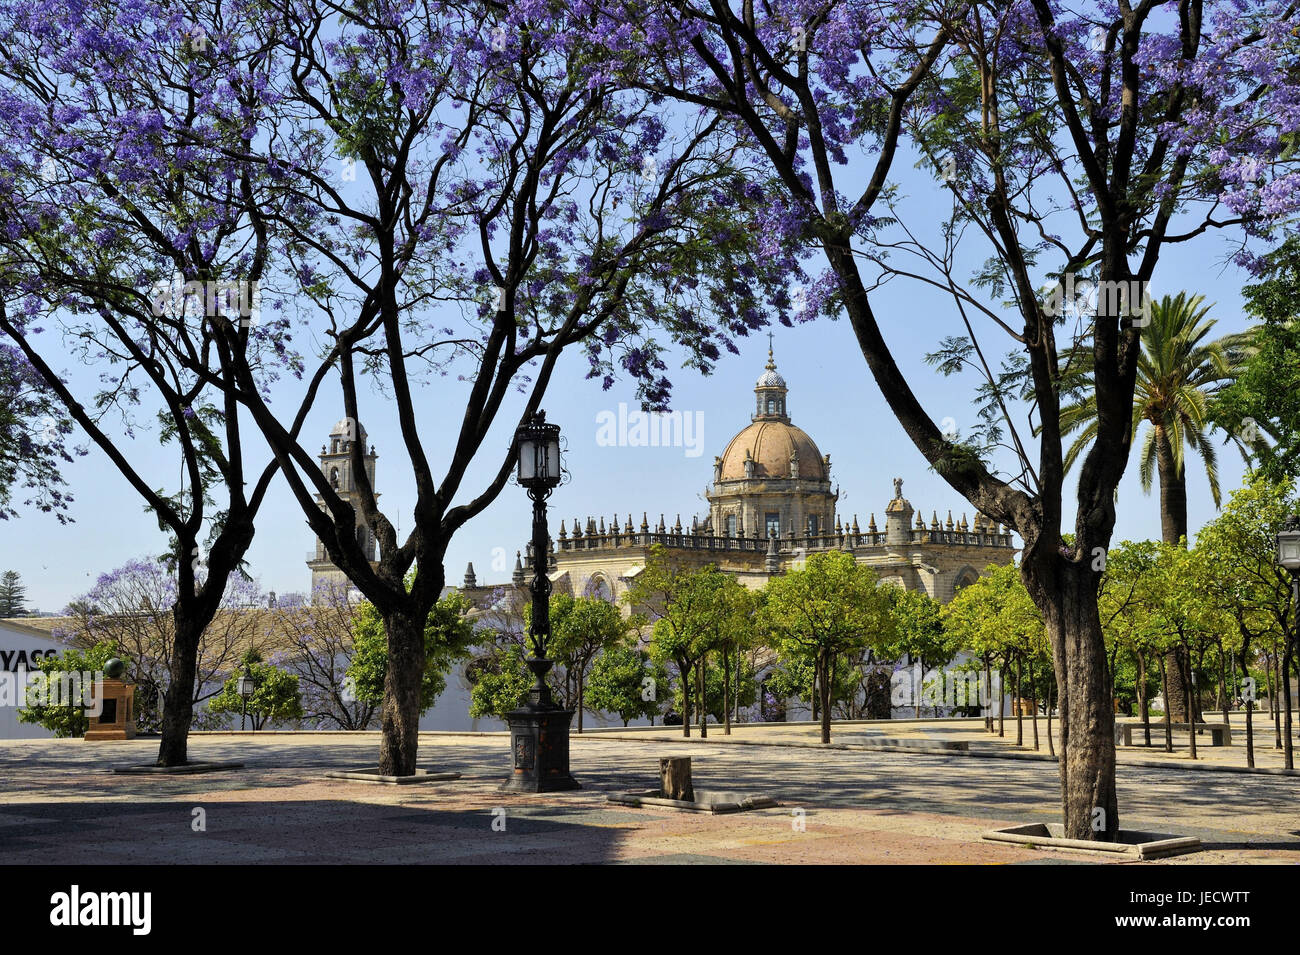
301, 832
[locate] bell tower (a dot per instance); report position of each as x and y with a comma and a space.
336, 465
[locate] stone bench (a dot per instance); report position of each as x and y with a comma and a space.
1220, 733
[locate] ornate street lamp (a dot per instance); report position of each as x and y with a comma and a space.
1288, 545
1288, 556
245, 686
539, 730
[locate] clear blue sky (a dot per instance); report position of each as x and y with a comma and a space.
832, 397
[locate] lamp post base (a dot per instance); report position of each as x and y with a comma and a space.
539, 744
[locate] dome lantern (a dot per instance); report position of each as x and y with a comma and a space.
770, 391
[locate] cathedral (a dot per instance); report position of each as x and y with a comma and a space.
771, 504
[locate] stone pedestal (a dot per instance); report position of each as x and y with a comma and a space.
539, 744
539, 740
116, 719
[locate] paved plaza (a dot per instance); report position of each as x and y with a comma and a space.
848, 804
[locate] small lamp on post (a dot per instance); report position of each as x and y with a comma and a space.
245, 686
1288, 557
539, 730
1288, 545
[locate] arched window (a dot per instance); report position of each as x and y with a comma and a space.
599, 588
771, 406
731, 525
334, 478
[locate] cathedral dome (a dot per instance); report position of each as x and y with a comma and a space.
770, 444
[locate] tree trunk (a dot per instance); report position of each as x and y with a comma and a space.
1002, 703
675, 778
1173, 490
918, 688
1175, 701
686, 675
1274, 697
1020, 716
1066, 595
726, 694
1250, 706
178, 703
1051, 746
1033, 702
1223, 685
1191, 707
827, 667
815, 695
1173, 528
402, 681
1285, 671
988, 695
1164, 688
702, 694
581, 699
1142, 698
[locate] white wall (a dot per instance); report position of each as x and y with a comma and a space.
21, 648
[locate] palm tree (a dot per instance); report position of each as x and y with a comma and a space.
1179, 372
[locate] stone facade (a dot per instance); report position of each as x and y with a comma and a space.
336, 465
771, 504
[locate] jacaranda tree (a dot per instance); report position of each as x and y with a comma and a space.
125, 251
361, 163
1074, 141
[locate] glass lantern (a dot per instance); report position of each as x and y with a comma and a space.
537, 447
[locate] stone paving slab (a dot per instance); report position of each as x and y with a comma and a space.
886, 732
57, 804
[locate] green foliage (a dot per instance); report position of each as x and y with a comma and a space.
1180, 373
833, 605
1239, 569
714, 688
581, 628
918, 628
617, 683
1265, 398
1124, 601
12, 594
695, 613
686, 606
448, 635
793, 676
500, 682
822, 616
276, 698
996, 615
69, 719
